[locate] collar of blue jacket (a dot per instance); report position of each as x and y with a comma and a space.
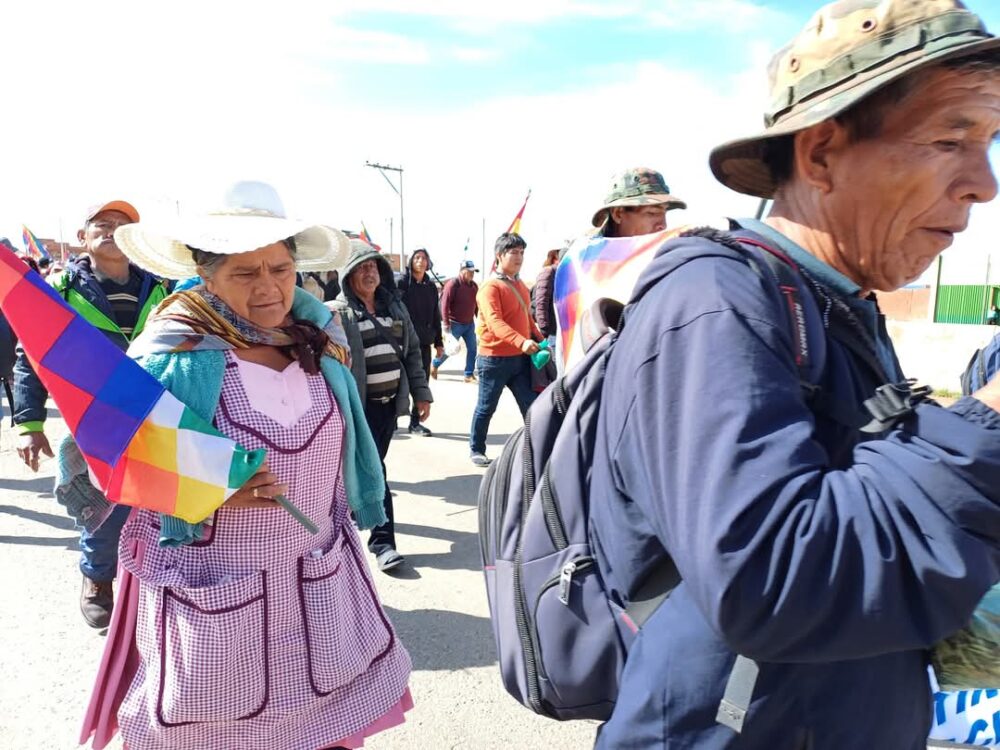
866, 308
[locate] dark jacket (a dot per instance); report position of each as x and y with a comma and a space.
331, 290
421, 300
7, 343
833, 558
542, 294
458, 301
7, 356
412, 379
81, 290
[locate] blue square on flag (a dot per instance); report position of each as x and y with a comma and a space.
130, 389
81, 343
104, 432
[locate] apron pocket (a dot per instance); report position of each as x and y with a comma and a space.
346, 629
213, 652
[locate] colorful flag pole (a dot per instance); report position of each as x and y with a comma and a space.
144, 447
32, 244
515, 226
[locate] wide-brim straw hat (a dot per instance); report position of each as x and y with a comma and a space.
847, 52
252, 216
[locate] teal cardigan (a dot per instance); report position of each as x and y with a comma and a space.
195, 378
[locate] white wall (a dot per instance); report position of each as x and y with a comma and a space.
936, 353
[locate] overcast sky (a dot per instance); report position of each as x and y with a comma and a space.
164, 104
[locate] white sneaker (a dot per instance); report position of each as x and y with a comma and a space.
480, 460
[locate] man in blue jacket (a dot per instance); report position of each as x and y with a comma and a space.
831, 557
116, 297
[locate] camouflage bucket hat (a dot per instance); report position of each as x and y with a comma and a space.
636, 187
847, 51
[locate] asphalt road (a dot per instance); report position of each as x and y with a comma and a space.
49, 656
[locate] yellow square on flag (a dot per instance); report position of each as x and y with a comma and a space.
155, 445
200, 499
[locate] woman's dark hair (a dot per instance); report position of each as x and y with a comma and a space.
508, 241
551, 258
208, 263
32, 263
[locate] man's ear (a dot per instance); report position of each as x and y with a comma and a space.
815, 150
80, 234
616, 214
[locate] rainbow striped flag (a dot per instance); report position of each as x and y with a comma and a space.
32, 244
367, 237
144, 448
515, 226
596, 267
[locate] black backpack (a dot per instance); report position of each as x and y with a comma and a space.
8, 342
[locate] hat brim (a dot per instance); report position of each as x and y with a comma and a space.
739, 164
165, 252
121, 206
656, 199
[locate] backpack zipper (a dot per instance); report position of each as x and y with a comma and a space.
489, 479
550, 508
524, 632
506, 462
525, 629
565, 579
565, 583
498, 475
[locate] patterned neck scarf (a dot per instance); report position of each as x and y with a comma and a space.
196, 319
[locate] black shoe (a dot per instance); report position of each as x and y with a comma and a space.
419, 429
97, 602
388, 559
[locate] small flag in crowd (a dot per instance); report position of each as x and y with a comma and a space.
367, 237
515, 226
144, 448
32, 244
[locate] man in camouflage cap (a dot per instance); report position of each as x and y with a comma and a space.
637, 203
830, 543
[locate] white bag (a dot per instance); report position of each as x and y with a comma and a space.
452, 346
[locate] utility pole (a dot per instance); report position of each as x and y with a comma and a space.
383, 168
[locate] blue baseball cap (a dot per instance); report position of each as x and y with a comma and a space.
467, 264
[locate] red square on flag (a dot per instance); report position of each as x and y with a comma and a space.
101, 471
37, 320
72, 401
146, 486
12, 270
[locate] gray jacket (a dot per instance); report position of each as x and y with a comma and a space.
413, 379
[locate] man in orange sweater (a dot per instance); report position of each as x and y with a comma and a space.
507, 336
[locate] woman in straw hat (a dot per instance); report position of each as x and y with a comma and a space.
248, 631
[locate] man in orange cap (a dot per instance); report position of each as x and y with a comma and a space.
116, 297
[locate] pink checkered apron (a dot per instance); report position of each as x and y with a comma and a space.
263, 635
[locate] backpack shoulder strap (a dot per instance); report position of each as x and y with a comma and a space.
739, 692
517, 293
524, 306
786, 274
